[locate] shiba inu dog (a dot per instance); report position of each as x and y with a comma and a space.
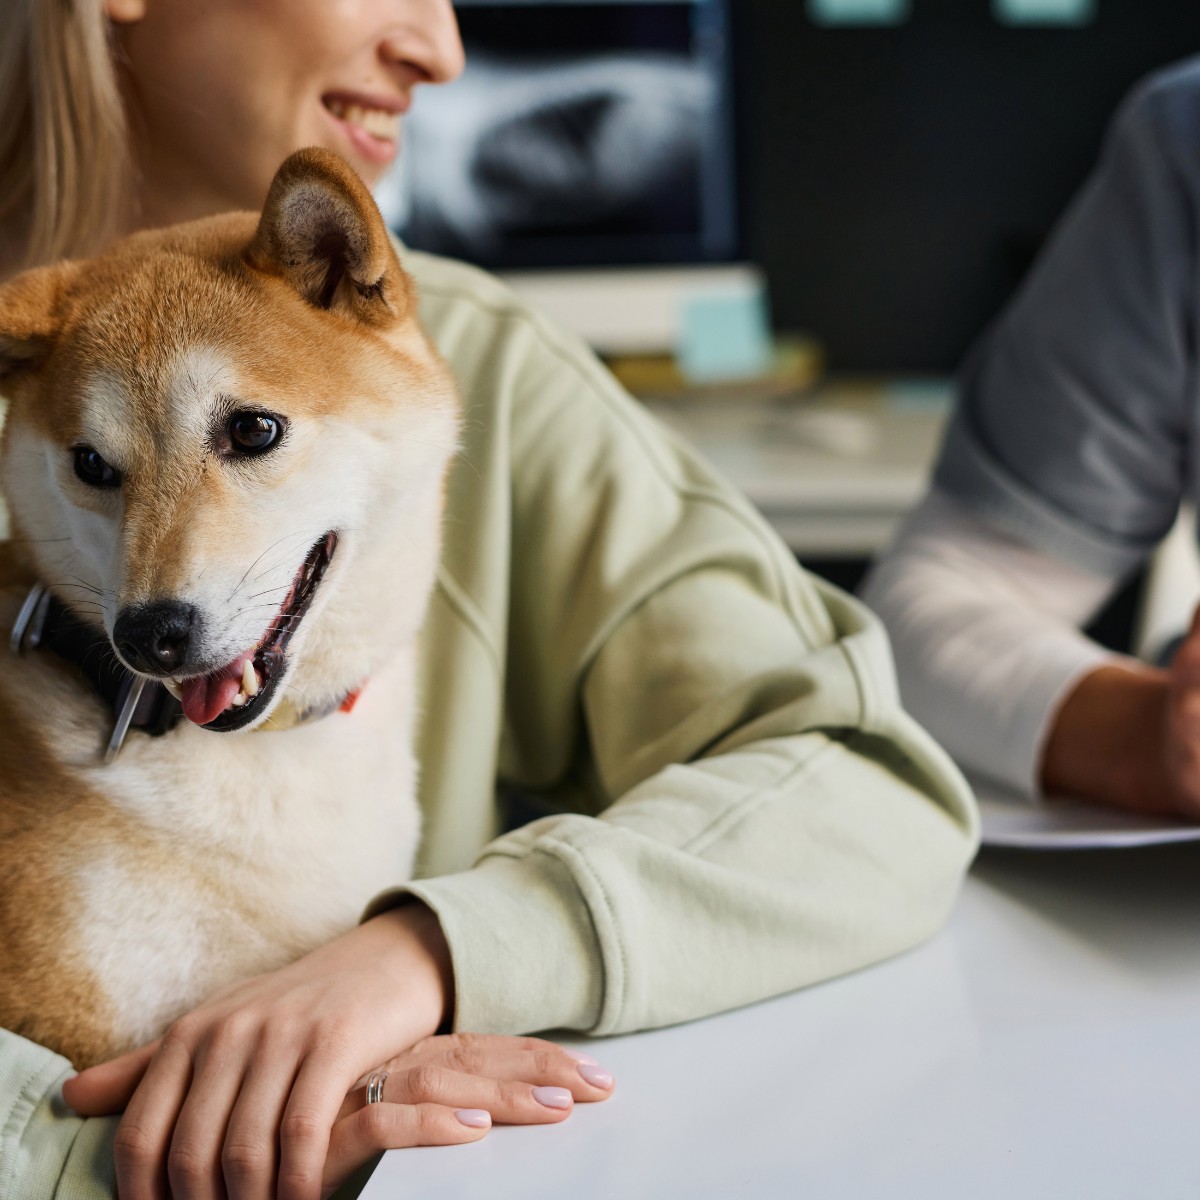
224, 460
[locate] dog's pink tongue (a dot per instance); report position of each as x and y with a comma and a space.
206, 697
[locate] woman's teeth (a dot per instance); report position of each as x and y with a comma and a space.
375, 121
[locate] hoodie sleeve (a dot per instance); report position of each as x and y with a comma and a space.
742, 807
46, 1152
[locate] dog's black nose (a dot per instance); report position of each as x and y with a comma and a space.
154, 638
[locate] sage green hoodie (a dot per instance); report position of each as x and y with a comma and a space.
736, 804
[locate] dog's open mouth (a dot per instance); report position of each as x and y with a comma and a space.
232, 697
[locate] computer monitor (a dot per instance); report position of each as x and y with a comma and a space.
588, 149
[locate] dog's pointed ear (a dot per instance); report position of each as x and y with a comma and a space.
322, 232
31, 315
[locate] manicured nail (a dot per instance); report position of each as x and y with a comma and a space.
552, 1097
580, 1058
596, 1076
476, 1118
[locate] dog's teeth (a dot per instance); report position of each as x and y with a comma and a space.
173, 688
239, 700
249, 679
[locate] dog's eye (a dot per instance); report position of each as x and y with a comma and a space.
93, 470
253, 433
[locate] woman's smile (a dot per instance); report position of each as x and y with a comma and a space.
370, 124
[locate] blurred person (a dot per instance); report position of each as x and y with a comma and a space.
1070, 451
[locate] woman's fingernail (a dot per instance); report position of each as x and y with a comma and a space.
596, 1076
553, 1097
580, 1058
476, 1118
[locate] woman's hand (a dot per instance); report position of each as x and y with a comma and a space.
451, 1089
249, 1086
444, 1091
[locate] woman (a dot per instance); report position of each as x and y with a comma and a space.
737, 805
1073, 444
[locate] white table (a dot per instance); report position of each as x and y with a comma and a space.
1045, 1045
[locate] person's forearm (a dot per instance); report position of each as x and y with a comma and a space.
1106, 741
986, 636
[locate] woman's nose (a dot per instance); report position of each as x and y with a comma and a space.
428, 39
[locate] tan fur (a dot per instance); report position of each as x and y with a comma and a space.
132, 891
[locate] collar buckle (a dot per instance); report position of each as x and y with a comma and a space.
126, 710
30, 624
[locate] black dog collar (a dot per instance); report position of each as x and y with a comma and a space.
136, 702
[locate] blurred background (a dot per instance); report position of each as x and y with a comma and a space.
902, 178
782, 221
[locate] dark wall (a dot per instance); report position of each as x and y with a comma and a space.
899, 181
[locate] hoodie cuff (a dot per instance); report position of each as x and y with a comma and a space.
46, 1151
522, 943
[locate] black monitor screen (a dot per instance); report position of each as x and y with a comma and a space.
579, 135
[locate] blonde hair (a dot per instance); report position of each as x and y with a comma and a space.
64, 143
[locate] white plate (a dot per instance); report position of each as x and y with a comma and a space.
1010, 820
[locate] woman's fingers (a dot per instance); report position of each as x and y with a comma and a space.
387, 1126
216, 1135
194, 1168
140, 1145
529, 1060
508, 1101
106, 1088
308, 1121
249, 1158
475, 1079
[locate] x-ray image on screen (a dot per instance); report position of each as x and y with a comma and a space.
579, 134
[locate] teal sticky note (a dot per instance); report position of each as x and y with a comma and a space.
724, 334
1044, 12
859, 12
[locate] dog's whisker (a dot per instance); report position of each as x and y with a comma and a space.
271, 567
268, 605
67, 585
272, 546
283, 587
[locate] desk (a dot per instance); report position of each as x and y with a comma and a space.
834, 470
1045, 1045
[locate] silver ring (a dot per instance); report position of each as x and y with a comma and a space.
375, 1086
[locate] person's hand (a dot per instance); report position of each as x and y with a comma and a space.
1129, 735
448, 1090
251, 1083
451, 1089
1181, 726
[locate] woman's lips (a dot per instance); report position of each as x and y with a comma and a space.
372, 128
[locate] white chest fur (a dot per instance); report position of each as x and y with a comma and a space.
250, 850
